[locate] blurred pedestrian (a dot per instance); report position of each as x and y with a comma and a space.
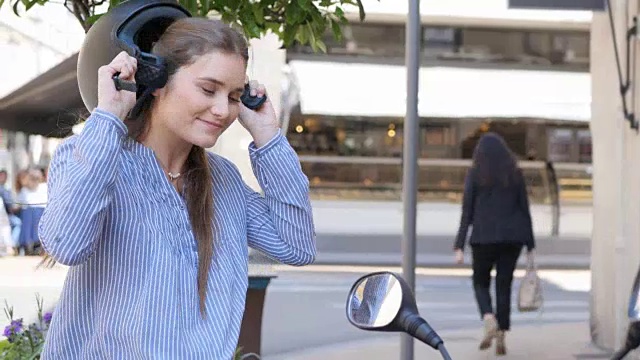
32, 199
496, 207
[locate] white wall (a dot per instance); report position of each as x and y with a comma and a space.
473, 13
616, 181
265, 65
36, 41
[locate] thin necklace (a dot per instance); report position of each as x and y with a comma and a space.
172, 176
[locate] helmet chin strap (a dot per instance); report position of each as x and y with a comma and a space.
147, 93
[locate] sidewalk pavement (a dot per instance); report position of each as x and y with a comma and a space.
563, 341
437, 251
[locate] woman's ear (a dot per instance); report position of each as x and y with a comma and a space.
157, 92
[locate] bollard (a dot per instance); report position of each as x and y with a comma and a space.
260, 274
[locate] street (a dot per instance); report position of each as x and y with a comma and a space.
304, 307
370, 233
437, 250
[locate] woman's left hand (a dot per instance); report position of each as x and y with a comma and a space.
459, 255
261, 123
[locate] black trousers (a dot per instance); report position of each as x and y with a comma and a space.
504, 257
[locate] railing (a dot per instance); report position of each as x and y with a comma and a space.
440, 180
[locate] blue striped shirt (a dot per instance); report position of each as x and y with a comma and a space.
131, 290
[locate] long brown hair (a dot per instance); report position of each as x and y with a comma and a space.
180, 45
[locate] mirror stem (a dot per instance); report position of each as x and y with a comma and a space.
444, 352
632, 342
419, 328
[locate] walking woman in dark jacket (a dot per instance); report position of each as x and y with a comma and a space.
496, 206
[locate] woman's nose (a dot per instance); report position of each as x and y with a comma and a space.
220, 108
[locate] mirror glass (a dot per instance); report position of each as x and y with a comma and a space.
375, 301
634, 300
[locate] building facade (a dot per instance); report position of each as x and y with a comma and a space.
522, 74
30, 45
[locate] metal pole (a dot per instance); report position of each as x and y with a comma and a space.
410, 159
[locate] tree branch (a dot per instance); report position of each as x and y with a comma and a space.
77, 12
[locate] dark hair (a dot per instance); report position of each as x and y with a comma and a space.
493, 162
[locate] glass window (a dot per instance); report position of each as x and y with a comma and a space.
584, 146
477, 45
361, 158
560, 145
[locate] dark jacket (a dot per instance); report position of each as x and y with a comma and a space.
497, 214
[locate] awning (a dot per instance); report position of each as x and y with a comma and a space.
49, 105
485, 13
355, 89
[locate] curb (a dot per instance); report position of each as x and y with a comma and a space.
546, 262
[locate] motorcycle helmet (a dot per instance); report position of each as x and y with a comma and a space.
132, 26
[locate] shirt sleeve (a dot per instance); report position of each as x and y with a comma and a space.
82, 175
523, 200
280, 223
466, 219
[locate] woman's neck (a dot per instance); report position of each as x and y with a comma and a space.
171, 151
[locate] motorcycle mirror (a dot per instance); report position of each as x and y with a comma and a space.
383, 301
633, 331
634, 300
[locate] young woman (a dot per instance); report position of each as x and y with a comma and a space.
154, 228
496, 205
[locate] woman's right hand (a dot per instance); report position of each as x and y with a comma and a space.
118, 103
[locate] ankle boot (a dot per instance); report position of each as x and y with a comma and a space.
490, 330
501, 348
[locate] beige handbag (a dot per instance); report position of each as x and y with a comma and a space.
530, 293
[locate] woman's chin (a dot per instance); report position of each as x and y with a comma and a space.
205, 140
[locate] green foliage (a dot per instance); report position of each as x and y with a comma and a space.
24, 343
27, 343
301, 21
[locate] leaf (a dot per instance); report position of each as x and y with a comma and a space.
258, 13
292, 13
273, 26
289, 34
320, 44
15, 8
303, 35
93, 18
193, 6
337, 30
305, 4
28, 4
361, 9
205, 7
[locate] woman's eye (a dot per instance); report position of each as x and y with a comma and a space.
234, 99
208, 91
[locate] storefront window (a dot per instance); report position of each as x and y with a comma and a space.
361, 158
584, 146
474, 45
560, 144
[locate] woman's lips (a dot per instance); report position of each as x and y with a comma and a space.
211, 124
